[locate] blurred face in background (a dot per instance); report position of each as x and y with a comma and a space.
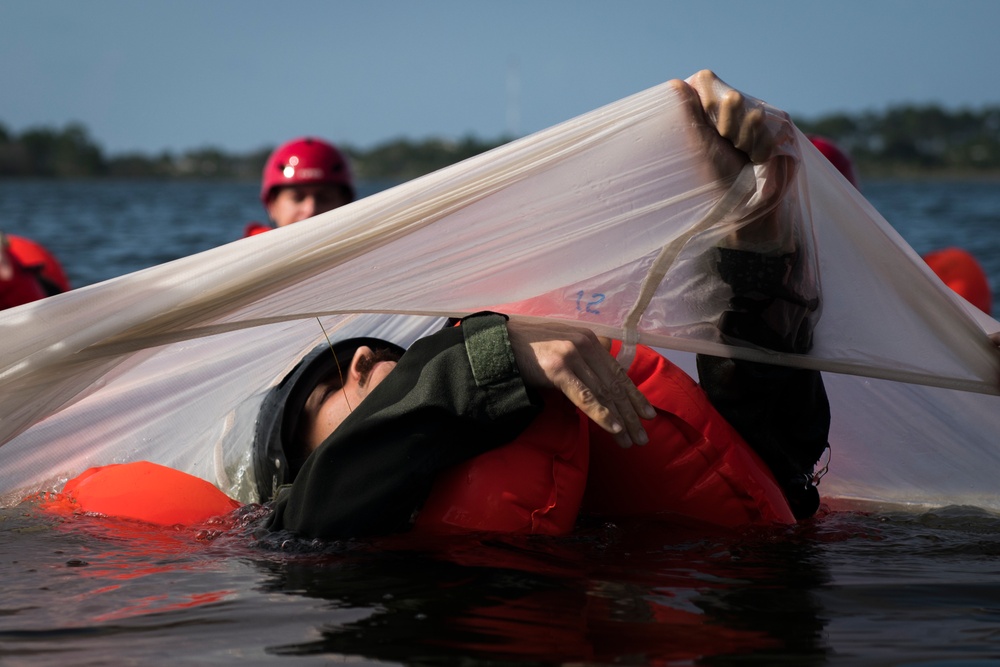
293, 203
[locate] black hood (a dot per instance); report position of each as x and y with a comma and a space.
280, 410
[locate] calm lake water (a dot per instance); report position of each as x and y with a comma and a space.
845, 588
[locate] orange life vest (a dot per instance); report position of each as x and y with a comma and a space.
960, 271
143, 491
35, 257
696, 469
254, 228
18, 284
532, 485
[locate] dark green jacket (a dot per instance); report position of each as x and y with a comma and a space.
452, 396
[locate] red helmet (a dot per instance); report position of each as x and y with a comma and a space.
835, 155
305, 161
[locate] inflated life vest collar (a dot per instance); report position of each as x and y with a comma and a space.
279, 412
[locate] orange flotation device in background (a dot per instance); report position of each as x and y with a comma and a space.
960, 271
18, 284
36, 257
142, 491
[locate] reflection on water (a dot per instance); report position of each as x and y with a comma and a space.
606, 595
611, 594
847, 587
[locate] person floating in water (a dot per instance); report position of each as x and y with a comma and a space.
363, 438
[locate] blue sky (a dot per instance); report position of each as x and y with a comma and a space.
241, 74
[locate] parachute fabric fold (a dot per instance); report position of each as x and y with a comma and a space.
610, 220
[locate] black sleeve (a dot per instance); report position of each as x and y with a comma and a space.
783, 413
452, 396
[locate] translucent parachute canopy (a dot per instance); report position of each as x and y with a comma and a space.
611, 221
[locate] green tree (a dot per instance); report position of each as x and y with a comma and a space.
69, 153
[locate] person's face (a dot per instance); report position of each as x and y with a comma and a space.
293, 203
329, 404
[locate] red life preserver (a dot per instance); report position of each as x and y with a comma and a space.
144, 491
532, 485
18, 284
695, 468
35, 257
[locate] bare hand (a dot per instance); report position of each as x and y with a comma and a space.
576, 362
758, 131
735, 131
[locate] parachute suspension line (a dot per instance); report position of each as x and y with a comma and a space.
737, 194
343, 385
819, 474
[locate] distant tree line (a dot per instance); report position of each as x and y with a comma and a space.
71, 153
916, 140
901, 141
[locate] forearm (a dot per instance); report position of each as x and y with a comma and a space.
783, 413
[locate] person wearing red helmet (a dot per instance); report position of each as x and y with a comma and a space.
956, 267
836, 156
302, 178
